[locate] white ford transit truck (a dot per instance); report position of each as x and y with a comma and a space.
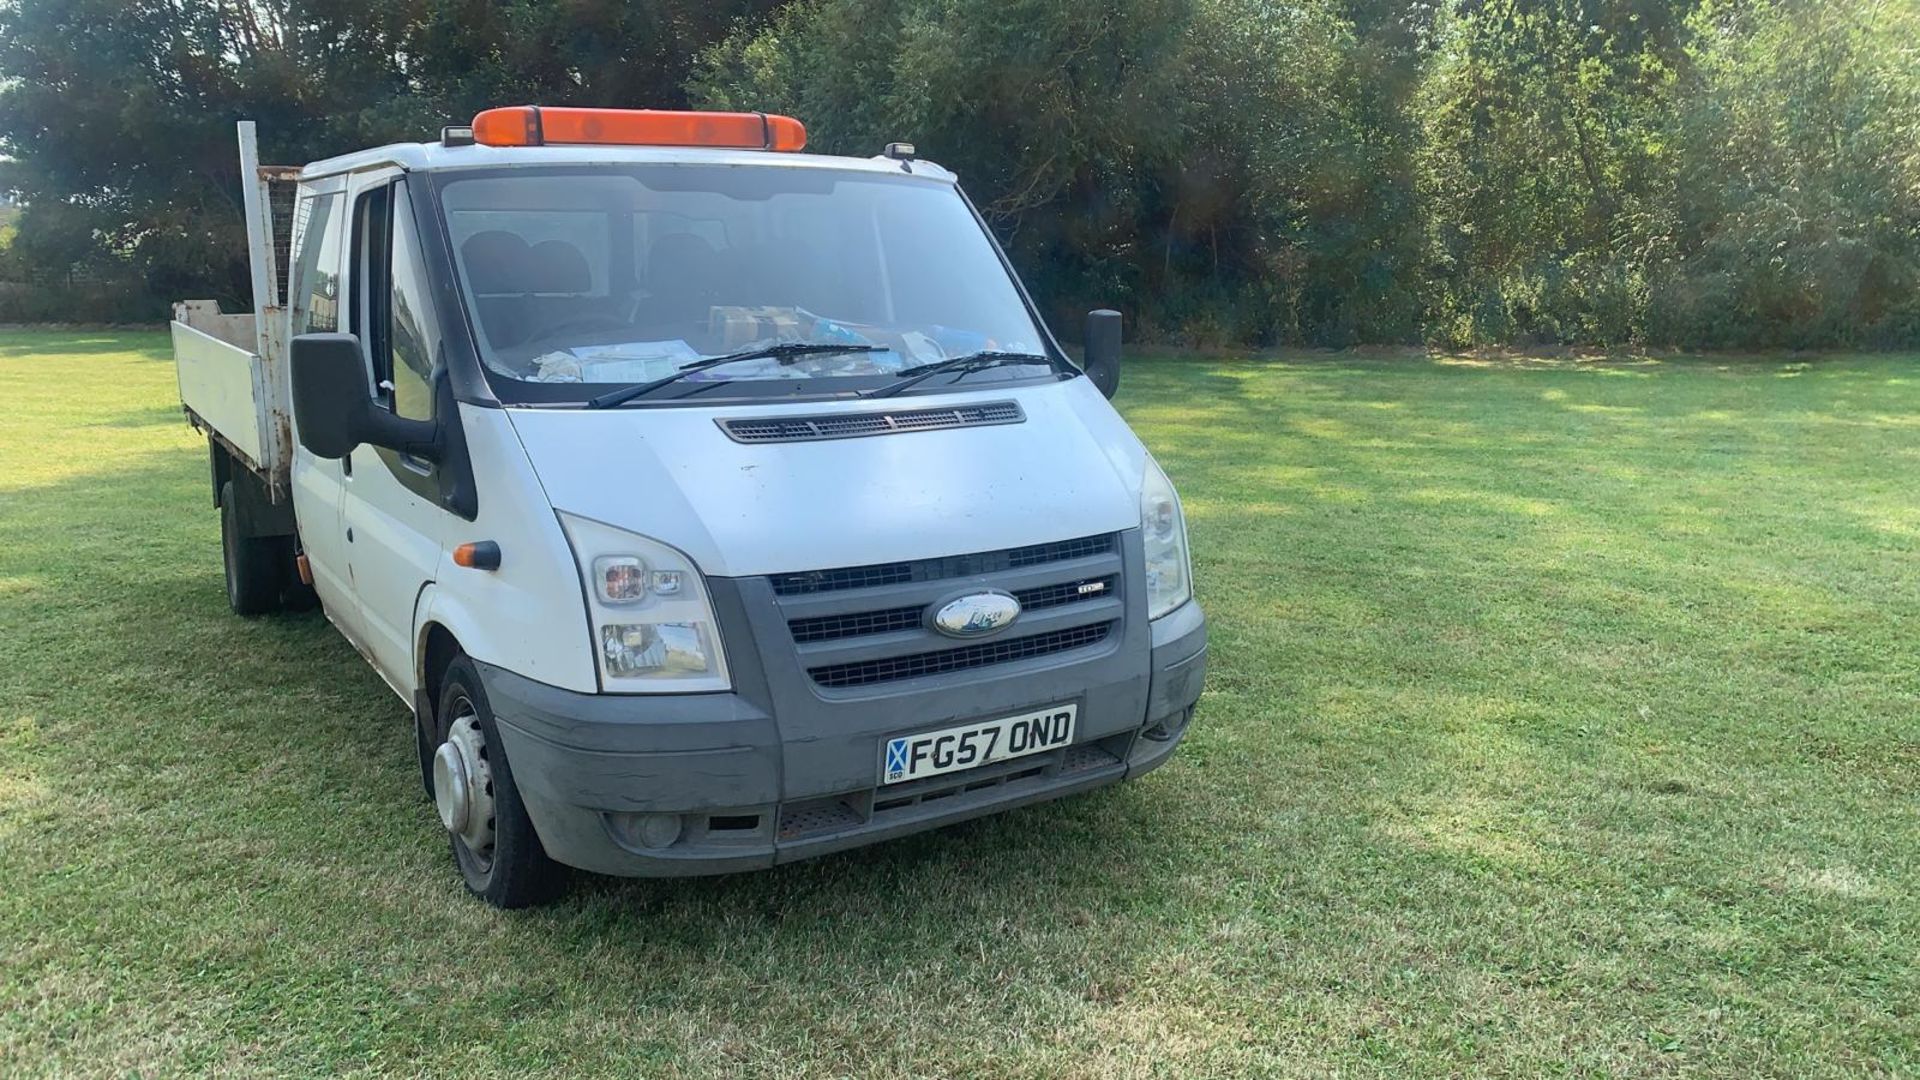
713, 505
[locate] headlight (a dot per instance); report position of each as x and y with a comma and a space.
653, 628
1164, 527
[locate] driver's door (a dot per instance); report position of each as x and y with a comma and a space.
394, 525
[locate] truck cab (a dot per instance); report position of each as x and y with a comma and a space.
711, 504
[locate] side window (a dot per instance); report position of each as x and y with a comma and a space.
315, 287
391, 311
372, 238
414, 334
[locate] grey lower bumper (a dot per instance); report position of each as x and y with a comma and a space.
590, 767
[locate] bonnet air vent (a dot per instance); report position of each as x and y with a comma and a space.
853, 425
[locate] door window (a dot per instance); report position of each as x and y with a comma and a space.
413, 333
372, 238
391, 311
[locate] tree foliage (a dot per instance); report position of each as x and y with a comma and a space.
1698, 172
1722, 173
1795, 209
119, 113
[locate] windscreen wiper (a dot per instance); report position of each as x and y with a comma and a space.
959, 365
785, 350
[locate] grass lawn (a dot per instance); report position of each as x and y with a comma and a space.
1561, 721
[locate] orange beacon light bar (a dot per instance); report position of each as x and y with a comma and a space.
531, 125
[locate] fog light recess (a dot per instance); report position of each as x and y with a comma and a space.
647, 830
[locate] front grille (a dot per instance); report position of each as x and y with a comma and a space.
891, 620
1066, 592
860, 626
830, 627
952, 566
818, 815
1059, 551
778, 429
855, 577
889, 669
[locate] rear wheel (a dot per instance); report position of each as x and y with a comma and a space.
493, 840
256, 566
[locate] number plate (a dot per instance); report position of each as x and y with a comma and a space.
930, 753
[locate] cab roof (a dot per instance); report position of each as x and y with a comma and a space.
425, 157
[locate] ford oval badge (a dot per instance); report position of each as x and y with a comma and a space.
976, 614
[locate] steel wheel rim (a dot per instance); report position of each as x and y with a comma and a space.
463, 785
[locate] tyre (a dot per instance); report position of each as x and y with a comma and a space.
493, 841
256, 573
426, 740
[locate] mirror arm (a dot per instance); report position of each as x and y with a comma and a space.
420, 438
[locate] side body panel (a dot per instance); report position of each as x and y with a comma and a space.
395, 539
529, 615
395, 533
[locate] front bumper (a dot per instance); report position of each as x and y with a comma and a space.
589, 766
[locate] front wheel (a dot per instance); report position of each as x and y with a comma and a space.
493, 840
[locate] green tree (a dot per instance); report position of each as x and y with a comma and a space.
120, 113
1059, 117
1542, 155
1225, 170
1692, 172
1310, 101
1796, 216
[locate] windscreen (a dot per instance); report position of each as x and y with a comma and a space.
582, 279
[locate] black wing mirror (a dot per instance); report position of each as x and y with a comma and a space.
334, 410
1102, 356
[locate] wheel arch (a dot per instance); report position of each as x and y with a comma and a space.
434, 648
504, 630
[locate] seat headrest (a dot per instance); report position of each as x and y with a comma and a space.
555, 266
495, 259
